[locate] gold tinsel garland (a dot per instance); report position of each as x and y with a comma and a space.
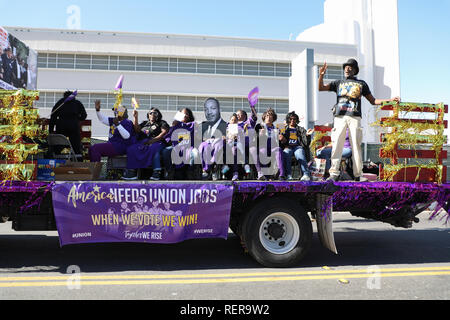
119, 99
18, 120
405, 133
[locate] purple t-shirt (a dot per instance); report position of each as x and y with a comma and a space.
250, 122
184, 137
116, 139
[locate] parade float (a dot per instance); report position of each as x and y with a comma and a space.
42, 190
272, 218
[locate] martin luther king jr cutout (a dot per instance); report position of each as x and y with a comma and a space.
214, 126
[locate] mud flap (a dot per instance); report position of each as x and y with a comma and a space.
324, 220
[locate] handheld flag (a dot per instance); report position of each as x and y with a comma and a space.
119, 83
134, 103
253, 96
72, 96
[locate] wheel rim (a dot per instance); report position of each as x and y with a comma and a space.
279, 233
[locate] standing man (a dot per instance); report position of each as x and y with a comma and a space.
347, 114
67, 117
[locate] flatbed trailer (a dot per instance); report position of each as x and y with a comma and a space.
272, 218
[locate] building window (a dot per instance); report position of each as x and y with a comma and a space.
143, 64
127, 63
250, 68
224, 67
206, 66
160, 64
100, 62
267, 69
187, 66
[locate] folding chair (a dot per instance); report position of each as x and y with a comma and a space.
59, 140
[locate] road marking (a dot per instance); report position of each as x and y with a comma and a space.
221, 275
49, 281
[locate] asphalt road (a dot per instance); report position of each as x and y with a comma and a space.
375, 262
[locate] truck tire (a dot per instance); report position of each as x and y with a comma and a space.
277, 232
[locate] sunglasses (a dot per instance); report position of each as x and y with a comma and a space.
153, 113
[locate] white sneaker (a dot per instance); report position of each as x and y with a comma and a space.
205, 175
235, 177
289, 177
247, 169
215, 177
305, 178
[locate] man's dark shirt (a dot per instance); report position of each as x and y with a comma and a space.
67, 118
349, 93
150, 131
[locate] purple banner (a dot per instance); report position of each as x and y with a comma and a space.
152, 213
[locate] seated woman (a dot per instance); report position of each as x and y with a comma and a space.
248, 125
146, 153
268, 144
180, 140
295, 141
121, 135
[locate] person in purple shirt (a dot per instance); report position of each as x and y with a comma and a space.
121, 135
146, 152
268, 144
248, 124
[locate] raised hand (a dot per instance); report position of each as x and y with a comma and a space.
323, 69
97, 105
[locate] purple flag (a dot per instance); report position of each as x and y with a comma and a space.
119, 83
253, 97
72, 96
152, 213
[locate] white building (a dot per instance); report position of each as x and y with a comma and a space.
174, 71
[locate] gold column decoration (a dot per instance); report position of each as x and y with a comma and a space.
18, 120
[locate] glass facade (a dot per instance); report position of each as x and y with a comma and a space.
163, 64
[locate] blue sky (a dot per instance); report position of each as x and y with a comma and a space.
424, 28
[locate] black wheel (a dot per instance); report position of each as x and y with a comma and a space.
277, 232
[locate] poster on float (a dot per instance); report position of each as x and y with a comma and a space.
151, 213
18, 63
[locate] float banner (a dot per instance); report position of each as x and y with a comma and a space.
151, 213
